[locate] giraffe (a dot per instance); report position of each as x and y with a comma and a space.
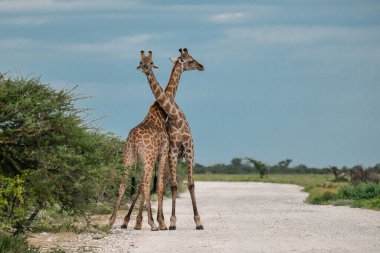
135, 138
148, 141
180, 139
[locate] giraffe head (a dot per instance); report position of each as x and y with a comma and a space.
187, 61
146, 62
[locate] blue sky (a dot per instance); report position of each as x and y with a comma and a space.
284, 79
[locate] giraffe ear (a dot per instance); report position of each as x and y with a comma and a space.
173, 60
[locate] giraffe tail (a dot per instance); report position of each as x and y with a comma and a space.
130, 162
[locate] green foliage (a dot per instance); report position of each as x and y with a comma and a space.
106, 229
236, 161
181, 176
12, 199
49, 156
261, 167
15, 244
363, 195
361, 191
53, 219
320, 197
285, 163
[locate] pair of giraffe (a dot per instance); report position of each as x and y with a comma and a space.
162, 140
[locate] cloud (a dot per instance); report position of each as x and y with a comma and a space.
118, 45
23, 21
322, 43
303, 34
15, 43
229, 17
55, 5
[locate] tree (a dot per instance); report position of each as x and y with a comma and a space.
236, 161
48, 154
335, 171
285, 163
261, 167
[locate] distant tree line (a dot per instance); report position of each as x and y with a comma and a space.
251, 165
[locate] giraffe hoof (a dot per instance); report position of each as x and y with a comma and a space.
124, 226
172, 227
137, 228
163, 228
199, 227
154, 229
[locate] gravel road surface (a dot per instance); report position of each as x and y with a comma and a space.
249, 217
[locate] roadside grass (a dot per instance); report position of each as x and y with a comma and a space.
15, 244
299, 179
323, 189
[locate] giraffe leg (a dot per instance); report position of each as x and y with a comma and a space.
139, 217
122, 189
160, 187
145, 197
173, 157
128, 216
190, 185
153, 226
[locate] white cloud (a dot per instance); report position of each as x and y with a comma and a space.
229, 17
308, 42
118, 45
23, 21
303, 34
15, 43
56, 5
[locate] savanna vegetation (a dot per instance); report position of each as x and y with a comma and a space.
57, 167
356, 186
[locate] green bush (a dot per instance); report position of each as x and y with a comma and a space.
363, 195
361, 191
319, 198
49, 155
15, 244
373, 203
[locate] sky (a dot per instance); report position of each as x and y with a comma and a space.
295, 79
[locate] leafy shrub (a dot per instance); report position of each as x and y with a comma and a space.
373, 203
361, 191
14, 244
49, 155
320, 197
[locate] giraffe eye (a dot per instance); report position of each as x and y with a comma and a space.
151, 63
140, 62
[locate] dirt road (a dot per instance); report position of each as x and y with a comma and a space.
252, 217
257, 217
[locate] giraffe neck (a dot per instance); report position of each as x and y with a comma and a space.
172, 86
156, 112
166, 103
